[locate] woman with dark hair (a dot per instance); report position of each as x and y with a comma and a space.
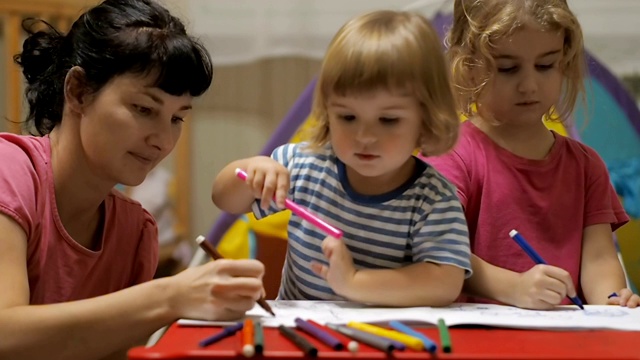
107, 100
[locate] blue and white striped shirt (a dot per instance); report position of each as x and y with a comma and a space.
421, 221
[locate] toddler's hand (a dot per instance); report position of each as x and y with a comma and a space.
543, 287
624, 297
340, 271
269, 180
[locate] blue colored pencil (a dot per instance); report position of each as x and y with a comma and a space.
227, 331
519, 239
428, 343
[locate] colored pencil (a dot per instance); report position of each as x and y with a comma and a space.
248, 348
410, 341
520, 240
226, 331
299, 341
429, 345
215, 255
377, 342
445, 337
258, 337
303, 213
319, 334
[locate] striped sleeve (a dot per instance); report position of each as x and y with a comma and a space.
443, 237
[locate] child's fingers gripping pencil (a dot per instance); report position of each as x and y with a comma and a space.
215, 255
302, 212
520, 240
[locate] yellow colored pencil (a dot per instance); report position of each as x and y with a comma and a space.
410, 341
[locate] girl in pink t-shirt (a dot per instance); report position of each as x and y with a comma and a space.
107, 99
515, 62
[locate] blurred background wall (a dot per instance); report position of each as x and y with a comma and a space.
265, 53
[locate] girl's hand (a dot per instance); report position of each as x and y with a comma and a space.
269, 180
542, 287
624, 297
219, 290
341, 271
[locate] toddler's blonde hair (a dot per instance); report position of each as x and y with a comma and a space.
394, 51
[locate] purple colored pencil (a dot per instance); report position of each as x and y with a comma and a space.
227, 331
319, 334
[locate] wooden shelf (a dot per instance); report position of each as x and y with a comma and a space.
48, 7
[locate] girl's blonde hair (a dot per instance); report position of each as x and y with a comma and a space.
395, 51
477, 24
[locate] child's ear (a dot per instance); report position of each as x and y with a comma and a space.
75, 89
423, 144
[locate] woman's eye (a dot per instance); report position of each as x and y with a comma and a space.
143, 110
176, 119
347, 117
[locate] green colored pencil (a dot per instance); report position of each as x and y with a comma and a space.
258, 337
445, 338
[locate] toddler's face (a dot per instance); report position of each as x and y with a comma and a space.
374, 134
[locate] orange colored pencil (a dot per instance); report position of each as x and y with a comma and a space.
248, 349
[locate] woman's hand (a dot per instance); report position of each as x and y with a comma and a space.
219, 290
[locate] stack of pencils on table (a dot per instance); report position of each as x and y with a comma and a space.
398, 338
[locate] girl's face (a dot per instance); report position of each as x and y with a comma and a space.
129, 127
527, 80
374, 134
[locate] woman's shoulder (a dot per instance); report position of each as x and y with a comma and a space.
128, 211
25, 162
21, 148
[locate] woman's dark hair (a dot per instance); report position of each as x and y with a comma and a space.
113, 38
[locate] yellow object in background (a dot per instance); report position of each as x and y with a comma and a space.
236, 244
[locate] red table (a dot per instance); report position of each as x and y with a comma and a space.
467, 343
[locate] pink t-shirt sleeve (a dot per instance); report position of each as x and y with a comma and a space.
602, 205
19, 186
452, 167
147, 253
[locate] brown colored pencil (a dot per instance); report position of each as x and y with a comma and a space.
215, 255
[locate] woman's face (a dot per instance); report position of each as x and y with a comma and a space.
129, 127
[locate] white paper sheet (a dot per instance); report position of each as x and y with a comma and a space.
561, 318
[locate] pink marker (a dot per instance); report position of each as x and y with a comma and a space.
302, 212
